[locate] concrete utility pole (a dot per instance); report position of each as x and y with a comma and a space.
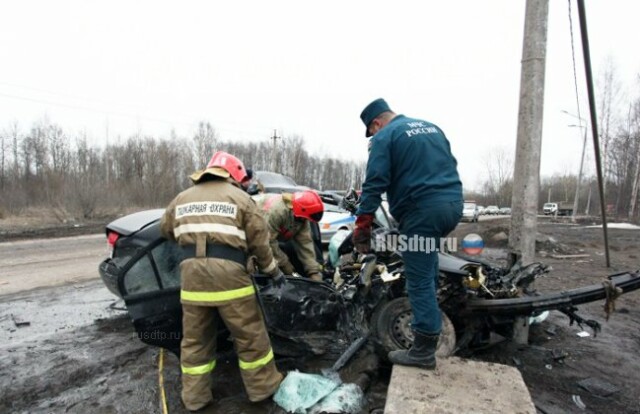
526, 182
576, 199
583, 124
274, 153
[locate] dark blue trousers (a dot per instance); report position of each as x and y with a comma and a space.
431, 222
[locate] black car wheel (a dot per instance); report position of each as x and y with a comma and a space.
391, 325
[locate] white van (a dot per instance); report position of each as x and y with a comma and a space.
549, 208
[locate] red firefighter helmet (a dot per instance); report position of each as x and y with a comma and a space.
307, 204
231, 164
224, 165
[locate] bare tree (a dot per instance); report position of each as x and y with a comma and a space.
85, 181
204, 143
635, 177
14, 132
4, 138
297, 157
38, 141
58, 148
499, 167
608, 106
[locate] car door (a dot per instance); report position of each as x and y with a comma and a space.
150, 286
149, 283
303, 317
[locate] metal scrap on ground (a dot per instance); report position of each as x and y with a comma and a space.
569, 256
598, 387
19, 322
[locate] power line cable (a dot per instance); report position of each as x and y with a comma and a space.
573, 56
194, 124
576, 198
66, 95
84, 108
261, 128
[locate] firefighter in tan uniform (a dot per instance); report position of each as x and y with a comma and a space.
288, 218
218, 227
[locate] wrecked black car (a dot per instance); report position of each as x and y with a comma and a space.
363, 296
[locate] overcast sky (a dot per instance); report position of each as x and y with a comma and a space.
304, 68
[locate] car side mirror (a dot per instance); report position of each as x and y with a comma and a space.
350, 201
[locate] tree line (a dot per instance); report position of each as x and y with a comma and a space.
46, 166
619, 139
49, 167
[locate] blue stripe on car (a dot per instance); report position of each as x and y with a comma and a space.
345, 220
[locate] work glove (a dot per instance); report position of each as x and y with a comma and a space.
317, 276
287, 268
362, 233
278, 280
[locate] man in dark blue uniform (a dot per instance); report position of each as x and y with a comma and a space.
410, 159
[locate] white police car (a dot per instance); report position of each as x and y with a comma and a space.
334, 219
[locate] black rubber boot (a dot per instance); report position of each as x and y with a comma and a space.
422, 354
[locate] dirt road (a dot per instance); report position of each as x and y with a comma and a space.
66, 347
76, 355
37, 263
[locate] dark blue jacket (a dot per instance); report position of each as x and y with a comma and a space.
409, 159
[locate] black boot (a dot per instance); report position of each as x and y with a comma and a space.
422, 354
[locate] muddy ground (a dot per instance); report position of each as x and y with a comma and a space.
557, 359
80, 353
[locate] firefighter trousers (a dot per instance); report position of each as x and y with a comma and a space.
243, 318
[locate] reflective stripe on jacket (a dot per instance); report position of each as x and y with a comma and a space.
217, 212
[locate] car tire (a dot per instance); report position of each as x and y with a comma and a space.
391, 329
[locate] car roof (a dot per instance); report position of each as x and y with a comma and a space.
268, 178
277, 183
134, 222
